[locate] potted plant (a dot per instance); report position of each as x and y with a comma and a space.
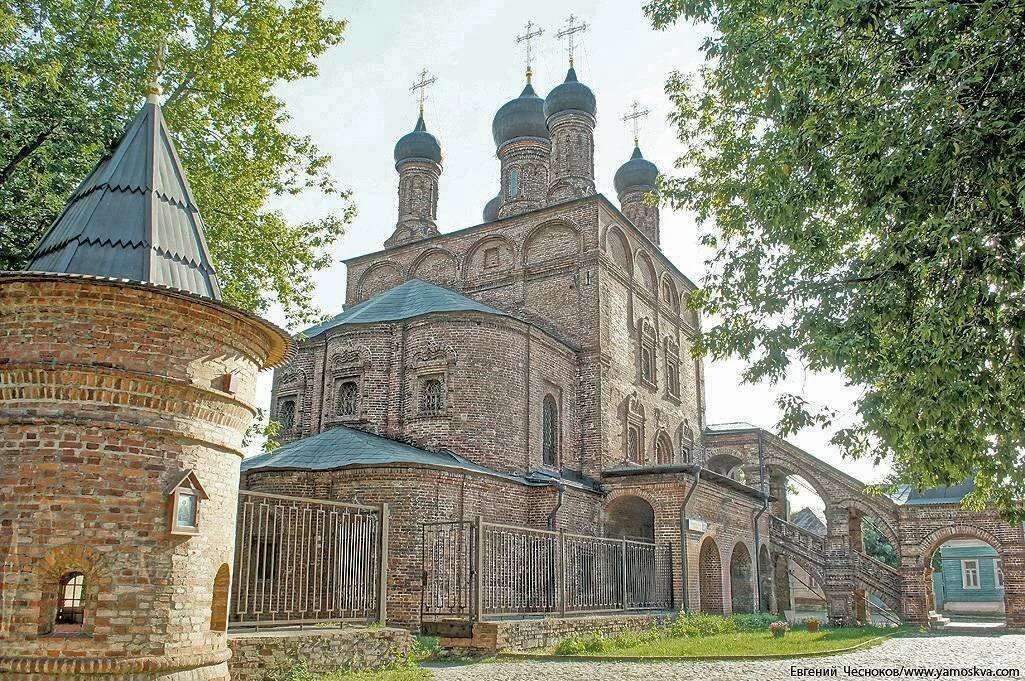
779, 629
813, 624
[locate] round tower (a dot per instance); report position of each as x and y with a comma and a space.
635, 180
570, 117
523, 149
418, 162
126, 387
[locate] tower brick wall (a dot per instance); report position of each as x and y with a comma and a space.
418, 201
643, 214
525, 171
572, 156
108, 394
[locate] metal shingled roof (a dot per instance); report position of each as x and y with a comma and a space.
907, 495
133, 217
342, 447
409, 299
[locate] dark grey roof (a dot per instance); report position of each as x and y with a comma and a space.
637, 172
572, 95
491, 208
343, 447
807, 520
520, 117
954, 494
133, 217
405, 301
418, 144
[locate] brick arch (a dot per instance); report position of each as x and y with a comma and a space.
556, 238
630, 515
710, 578
59, 562
646, 269
669, 292
663, 443
652, 500
742, 578
378, 278
478, 246
931, 542
887, 525
617, 246
438, 266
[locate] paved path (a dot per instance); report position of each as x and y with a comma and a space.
924, 652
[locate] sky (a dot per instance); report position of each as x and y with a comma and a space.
361, 103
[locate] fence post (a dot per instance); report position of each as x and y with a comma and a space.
561, 575
622, 548
382, 594
478, 570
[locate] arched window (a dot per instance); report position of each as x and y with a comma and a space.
432, 395
647, 353
514, 182
348, 399
70, 599
672, 368
663, 450
633, 444
286, 414
550, 431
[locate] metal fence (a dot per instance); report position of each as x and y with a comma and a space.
300, 560
479, 569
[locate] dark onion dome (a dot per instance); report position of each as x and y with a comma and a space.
572, 95
418, 144
520, 117
637, 172
491, 208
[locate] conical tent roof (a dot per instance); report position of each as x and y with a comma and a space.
134, 217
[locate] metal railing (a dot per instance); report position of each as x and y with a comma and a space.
301, 560
478, 569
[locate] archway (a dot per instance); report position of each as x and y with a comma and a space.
764, 579
710, 577
964, 580
630, 517
742, 594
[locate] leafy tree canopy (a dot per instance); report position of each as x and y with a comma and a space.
860, 169
72, 74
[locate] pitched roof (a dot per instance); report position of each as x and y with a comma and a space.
409, 299
133, 217
934, 495
807, 520
342, 447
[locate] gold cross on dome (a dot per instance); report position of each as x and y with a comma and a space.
571, 28
529, 35
634, 118
426, 80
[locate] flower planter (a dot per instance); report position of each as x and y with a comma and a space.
813, 626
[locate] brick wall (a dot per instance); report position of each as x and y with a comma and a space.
531, 634
106, 398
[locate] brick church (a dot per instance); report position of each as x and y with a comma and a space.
535, 368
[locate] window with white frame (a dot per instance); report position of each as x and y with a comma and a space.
970, 574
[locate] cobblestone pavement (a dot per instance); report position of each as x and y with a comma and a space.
922, 652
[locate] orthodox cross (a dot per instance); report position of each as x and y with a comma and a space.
571, 28
529, 35
426, 80
634, 118
153, 89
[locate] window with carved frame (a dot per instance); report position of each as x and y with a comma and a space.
347, 397
634, 450
432, 394
663, 450
287, 413
672, 368
633, 437
647, 353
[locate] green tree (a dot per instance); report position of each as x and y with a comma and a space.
860, 171
877, 545
72, 74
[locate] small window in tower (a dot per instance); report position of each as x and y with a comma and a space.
432, 395
286, 414
491, 257
348, 398
514, 183
550, 431
70, 602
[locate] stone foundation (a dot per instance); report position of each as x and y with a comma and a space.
530, 634
259, 655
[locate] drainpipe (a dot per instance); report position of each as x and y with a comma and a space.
757, 516
683, 534
561, 487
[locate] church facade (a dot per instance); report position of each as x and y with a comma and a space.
535, 369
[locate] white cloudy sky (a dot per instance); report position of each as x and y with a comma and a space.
360, 104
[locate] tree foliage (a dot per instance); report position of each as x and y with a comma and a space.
877, 545
860, 170
72, 74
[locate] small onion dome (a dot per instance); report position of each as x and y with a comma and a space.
572, 95
418, 144
637, 172
491, 208
520, 117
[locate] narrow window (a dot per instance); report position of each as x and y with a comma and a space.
672, 369
432, 395
348, 399
663, 451
70, 597
550, 431
514, 183
970, 574
286, 414
648, 363
633, 444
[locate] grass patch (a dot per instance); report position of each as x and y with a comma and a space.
399, 672
700, 635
